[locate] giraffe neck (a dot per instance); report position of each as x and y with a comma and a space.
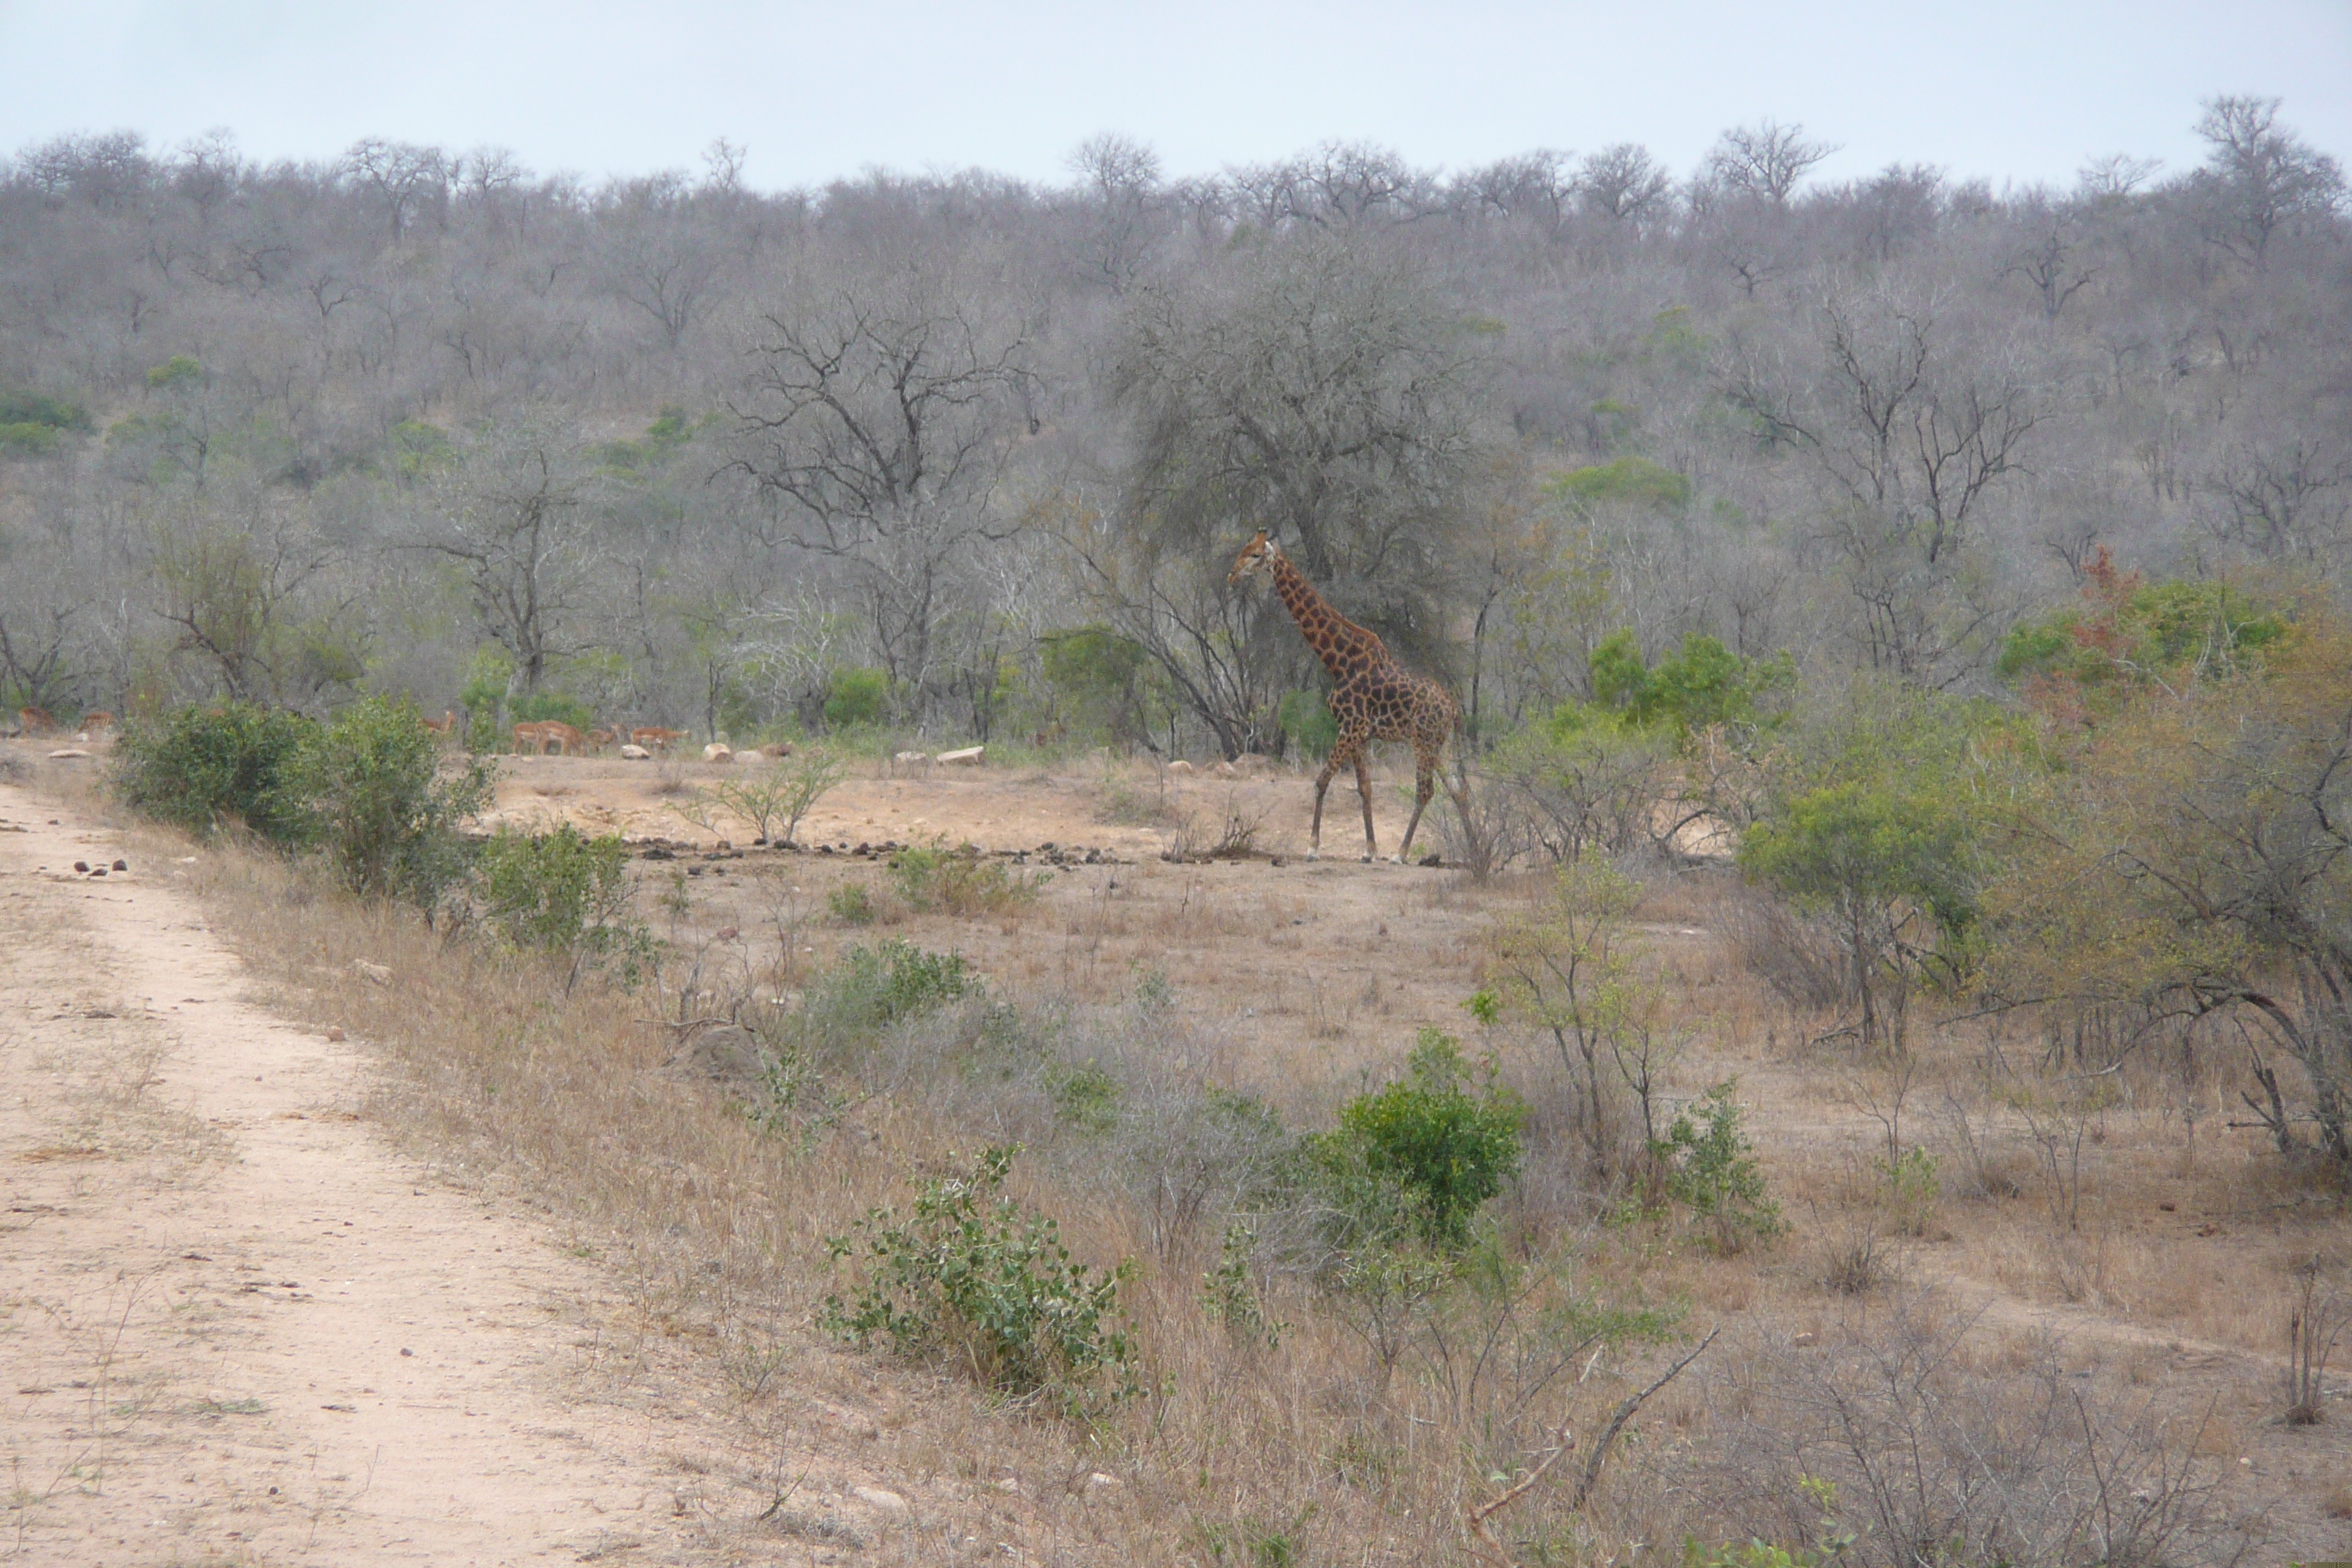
1331, 634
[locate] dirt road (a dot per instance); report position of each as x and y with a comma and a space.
234, 1326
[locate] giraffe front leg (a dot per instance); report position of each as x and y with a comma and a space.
1364, 789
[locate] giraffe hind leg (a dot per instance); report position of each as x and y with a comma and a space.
1364, 790
1424, 786
1331, 765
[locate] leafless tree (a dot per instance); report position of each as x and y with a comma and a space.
1765, 161
402, 178
2259, 178
1624, 184
879, 419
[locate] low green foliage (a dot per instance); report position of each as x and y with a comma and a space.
959, 882
876, 985
852, 904
856, 698
1710, 1168
1305, 719
371, 783
1701, 685
1086, 1098
201, 766
1629, 482
972, 1279
1911, 1191
1424, 1152
51, 414
565, 894
2128, 635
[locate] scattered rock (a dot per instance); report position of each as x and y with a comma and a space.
1100, 1482
68, 752
967, 757
912, 757
378, 973
880, 1498
777, 748
122, 864
1180, 766
719, 751
635, 753
83, 867
335, 1032
1801, 1341
1225, 770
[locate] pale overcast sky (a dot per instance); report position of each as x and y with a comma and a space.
2019, 90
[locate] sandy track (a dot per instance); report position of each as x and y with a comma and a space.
234, 1326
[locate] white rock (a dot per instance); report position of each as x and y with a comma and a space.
1180, 766
1100, 1482
719, 751
912, 757
968, 757
69, 751
378, 973
1224, 771
636, 753
878, 1497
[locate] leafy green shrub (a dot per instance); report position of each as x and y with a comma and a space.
200, 766
1912, 1191
958, 882
370, 783
852, 904
856, 698
51, 414
1102, 682
537, 707
876, 985
1424, 1150
1086, 1098
25, 439
1305, 719
1702, 685
1709, 1167
1631, 482
972, 1279
565, 894
1230, 1291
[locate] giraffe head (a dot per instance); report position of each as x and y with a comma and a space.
1258, 556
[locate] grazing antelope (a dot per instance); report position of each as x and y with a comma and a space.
445, 725
568, 741
598, 740
35, 720
655, 738
96, 719
531, 735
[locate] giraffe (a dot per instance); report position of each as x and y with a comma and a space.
1373, 697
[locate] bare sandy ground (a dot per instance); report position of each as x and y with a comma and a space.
236, 1328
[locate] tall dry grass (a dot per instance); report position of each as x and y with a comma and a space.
1376, 1419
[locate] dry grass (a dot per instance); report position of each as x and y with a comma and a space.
1352, 1440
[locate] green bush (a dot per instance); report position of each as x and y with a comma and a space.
852, 904
25, 439
370, 785
565, 894
201, 766
46, 413
1425, 1150
856, 698
538, 707
876, 985
1305, 719
1710, 1168
958, 882
971, 1279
